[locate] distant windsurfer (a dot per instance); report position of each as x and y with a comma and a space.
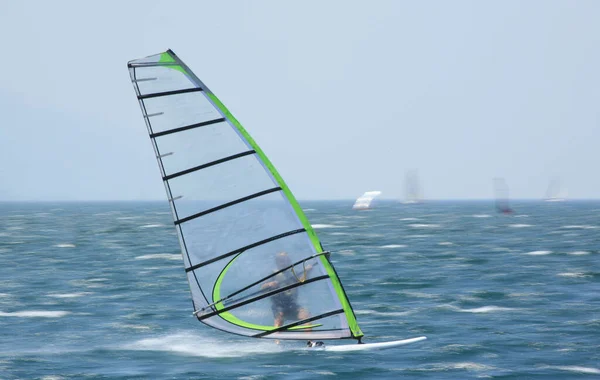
285, 304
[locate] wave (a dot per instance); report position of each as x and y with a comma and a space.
443, 367
166, 256
520, 225
576, 368
152, 225
574, 274
538, 253
385, 313
486, 309
316, 226
580, 227
422, 225
69, 295
190, 344
35, 314
409, 219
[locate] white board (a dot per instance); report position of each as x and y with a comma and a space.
368, 346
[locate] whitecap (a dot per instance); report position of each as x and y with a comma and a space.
409, 219
69, 295
35, 313
576, 368
322, 373
391, 246
191, 344
152, 226
132, 327
64, 245
538, 253
581, 227
166, 256
519, 225
487, 309
421, 225
481, 216
579, 253
469, 366
573, 274
315, 226
446, 243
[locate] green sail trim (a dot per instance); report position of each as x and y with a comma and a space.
352, 323
167, 58
235, 320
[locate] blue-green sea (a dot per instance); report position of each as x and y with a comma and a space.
98, 291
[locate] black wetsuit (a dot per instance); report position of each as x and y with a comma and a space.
285, 302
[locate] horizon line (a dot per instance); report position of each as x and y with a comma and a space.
399, 200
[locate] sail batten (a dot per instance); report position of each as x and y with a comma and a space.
169, 93
207, 165
187, 127
228, 204
298, 323
235, 217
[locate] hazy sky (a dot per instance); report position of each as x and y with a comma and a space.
343, 96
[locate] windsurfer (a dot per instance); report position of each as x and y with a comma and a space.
285, 304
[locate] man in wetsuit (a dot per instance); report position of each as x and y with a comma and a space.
285, 304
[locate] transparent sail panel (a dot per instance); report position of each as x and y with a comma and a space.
160, 79
247, 267
218, 141
245, 247
237, 226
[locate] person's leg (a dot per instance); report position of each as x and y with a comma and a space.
278, 319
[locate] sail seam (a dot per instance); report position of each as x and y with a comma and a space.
268, 294
191, 126
239, 250
168, 93
298, 323
228, 204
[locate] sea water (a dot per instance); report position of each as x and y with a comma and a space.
98, 291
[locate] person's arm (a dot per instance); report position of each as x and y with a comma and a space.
269, 285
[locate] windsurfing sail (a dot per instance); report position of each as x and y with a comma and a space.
412, 188
234, 216
501, 193
555, 192
365, 201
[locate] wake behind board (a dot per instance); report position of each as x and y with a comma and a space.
368, 346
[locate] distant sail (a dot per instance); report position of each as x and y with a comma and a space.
413, 191
555, 192
365, 201
234, 214
501, 194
